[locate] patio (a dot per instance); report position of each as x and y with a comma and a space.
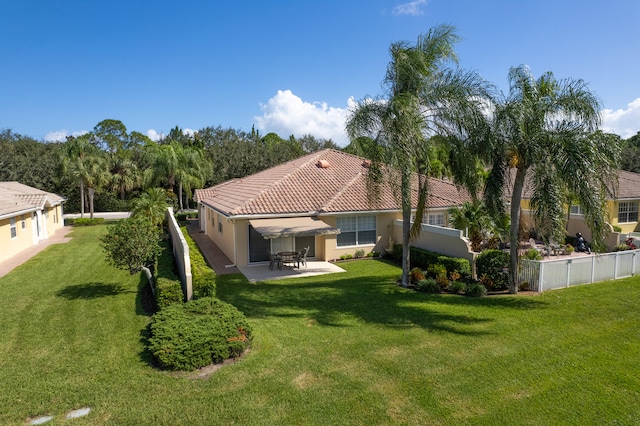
261, 272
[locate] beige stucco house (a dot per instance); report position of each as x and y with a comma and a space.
318, 201
27, 216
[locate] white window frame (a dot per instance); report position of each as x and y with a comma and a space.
220, 228
24, 221
436, 219
627, 210
357, 225
14, 229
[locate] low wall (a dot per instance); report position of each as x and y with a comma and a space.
180, 254
447, 241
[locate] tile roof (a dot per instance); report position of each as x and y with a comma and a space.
16, 197
304, 186
628, 186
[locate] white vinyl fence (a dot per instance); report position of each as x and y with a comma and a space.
180, 254
578, 269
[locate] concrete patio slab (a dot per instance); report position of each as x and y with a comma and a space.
263, 273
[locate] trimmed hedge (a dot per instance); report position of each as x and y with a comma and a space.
198, 333
423, 258
168, 286
202, 276
85, 221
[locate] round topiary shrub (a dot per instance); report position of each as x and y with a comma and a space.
456, 287
198, 333
428, 285
476, 290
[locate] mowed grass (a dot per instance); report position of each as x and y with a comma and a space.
350, 348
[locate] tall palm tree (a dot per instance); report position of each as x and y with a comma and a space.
424, 98
194, 168
543, 131
85, 164
125, 176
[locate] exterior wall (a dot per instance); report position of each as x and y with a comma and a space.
447, 241
224, 240
384, 231
54, 220
23, 240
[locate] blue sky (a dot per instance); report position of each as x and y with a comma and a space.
289, 67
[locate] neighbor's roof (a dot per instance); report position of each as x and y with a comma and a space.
16, 198
628, 186
327, 181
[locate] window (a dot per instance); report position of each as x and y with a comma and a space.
436, 219
220, 224
14, 231
576, 209
24, 221
356, 230
627, 211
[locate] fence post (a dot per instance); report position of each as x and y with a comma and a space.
568, 272
615, 266
633, 263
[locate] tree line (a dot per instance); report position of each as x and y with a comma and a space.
107, 168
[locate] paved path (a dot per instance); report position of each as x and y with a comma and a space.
213, 255
10, 264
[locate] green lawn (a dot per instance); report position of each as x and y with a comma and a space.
349, 348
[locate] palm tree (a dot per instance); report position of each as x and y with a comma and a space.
151, 205
84, 163
544, 132
193, 171
125, 176
424, 98
474, 219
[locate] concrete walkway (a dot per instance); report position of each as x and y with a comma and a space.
59, 237
212, 254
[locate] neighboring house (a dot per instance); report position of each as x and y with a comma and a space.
27, 215
318, 201
622, 207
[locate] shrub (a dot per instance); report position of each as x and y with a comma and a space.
439, 272
359, 254
348, 256
198, 333
203, 278
569, 249
416, 275
428, 285
168, 288
85, 221
524, 286
491, 265
620, 247
423, 258
168, 292
456, 287
616, 228
475, 290
532, 254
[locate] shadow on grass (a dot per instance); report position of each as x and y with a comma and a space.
330, 299
92, 290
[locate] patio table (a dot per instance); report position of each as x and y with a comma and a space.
288, 258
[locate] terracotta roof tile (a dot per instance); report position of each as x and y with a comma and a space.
16, 197
307, 185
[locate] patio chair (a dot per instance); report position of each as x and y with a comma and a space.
274, 259
302, 257
542, 250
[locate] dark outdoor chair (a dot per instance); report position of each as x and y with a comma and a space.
276, 260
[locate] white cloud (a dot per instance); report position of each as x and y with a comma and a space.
154, 135
413, 8
286, 114
61, 135
623, 122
